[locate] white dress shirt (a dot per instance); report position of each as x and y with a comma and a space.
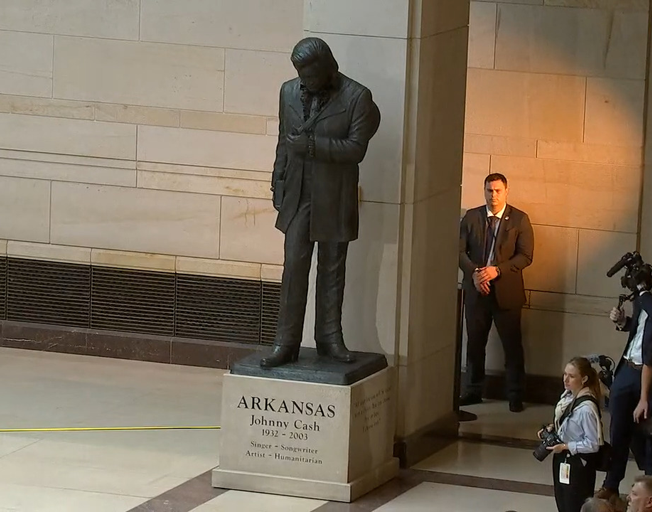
635, 352
499, 215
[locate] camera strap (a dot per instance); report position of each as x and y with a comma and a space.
573, 405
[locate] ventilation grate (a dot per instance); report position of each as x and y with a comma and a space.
133, 300
48, 292
218, 309
3, 288
271, 302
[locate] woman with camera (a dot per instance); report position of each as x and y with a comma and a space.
576, 435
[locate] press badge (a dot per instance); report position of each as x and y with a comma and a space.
564, 473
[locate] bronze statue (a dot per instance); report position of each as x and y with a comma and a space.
326, 123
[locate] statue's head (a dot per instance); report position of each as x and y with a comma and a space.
314, 61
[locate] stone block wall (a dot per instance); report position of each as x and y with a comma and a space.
141, 133
555, 101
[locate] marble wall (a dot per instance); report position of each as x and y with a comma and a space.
555, 102
142, 132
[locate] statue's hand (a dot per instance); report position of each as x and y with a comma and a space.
297, 143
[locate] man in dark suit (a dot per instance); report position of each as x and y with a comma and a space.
326, 123
496, 244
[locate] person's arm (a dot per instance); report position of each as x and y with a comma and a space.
280, 163
524, 249
352, 149
641, 412
467, 266
589, 439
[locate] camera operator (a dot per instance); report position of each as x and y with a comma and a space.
578, 425
629, 396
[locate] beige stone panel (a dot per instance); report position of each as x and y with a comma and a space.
204, 184
599, 251
535, 106
272, 127
508, 146
67, 172
248, 233
586, 42
482, 35
569, 303
440, 125
551, 339
435, 17
245, 72
136, 115
138, 220
426, 390
247, 24
48, 252
67, 136
593, 153
563, 193
223, 122
218, 268
114, 19
554, 268
205, 171
3, 246
149, 74
379, 18
206, 148
273, 273
380, 64
124, 259
614, 112
525, 2
25, 63
45, 107
24, 209
637, 5
67, 159
476, 169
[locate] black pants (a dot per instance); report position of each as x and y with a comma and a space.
571, 497
623, 397
480, 313
331, 268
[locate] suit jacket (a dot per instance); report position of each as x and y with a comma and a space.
514, 250
342, 133
643, 302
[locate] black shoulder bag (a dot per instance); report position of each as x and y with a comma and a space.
602, 458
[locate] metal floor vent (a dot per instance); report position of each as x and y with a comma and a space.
269, 314
218, 309
133, 301
3, 288
48, 292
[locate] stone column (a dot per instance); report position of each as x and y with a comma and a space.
645, 222
402, 273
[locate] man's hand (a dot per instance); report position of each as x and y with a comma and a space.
481, 286
617, 316
640, 413
297, 143
488, 274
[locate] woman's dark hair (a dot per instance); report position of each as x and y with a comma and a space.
310, 50
583, 366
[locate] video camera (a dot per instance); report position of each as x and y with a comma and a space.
638, 273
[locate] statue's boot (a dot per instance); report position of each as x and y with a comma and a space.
280, 355
336, 351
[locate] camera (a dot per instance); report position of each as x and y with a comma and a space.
548, 440
637, 272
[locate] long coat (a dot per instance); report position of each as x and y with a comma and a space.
342, 133
514, 252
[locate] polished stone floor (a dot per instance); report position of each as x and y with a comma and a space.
490, 468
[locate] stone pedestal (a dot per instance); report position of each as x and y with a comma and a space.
315, 440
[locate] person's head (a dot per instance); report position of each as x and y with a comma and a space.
597, 505
579, 374
315, 64
495, 192
640, 496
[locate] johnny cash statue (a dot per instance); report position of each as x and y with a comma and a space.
326, 123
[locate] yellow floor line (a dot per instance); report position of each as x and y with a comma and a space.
90, 429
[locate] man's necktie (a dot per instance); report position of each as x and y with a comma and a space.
490, 236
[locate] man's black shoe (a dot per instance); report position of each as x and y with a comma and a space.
470, 399
516, 406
